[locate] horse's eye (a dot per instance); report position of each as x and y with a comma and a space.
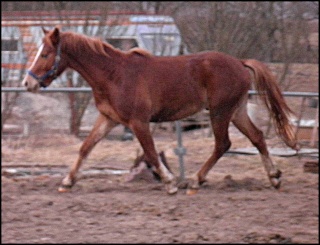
44, 56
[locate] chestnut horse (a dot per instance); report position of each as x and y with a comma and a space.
135, 88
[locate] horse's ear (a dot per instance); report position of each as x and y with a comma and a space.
45, 31
55, 36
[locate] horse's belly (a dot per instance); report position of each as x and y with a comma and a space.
173, 114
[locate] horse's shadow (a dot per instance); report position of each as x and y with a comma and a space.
227, 184
230, 185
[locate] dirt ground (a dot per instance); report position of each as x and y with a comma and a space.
236, 205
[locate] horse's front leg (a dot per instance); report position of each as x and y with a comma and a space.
102, 127
143, 134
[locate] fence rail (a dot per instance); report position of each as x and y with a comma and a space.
87, 89
180, 150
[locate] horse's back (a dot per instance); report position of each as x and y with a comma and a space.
179, 86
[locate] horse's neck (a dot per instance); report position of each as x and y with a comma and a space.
91, 65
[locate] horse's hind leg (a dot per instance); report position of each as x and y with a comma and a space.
103, 125
242, 121
220, 126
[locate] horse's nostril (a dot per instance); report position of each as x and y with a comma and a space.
24, 83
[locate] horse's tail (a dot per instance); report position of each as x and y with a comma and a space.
269, 91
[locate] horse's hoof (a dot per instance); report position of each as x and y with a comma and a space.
66, 184
191, 192
171, 188
276, 183
277, 174
275, 179
64, 188
193, 183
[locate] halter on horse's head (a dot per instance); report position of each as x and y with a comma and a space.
47, 63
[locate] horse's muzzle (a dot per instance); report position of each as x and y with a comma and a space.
31, 84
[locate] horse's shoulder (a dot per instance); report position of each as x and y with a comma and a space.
139, 51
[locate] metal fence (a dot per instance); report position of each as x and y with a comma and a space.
87, 89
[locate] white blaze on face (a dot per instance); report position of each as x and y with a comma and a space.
37, 57
29, 80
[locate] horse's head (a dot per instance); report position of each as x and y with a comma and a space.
47, 64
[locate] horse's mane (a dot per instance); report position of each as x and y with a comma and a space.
139, 51
79, 42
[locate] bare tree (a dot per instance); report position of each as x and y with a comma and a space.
12, 70
268, 31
